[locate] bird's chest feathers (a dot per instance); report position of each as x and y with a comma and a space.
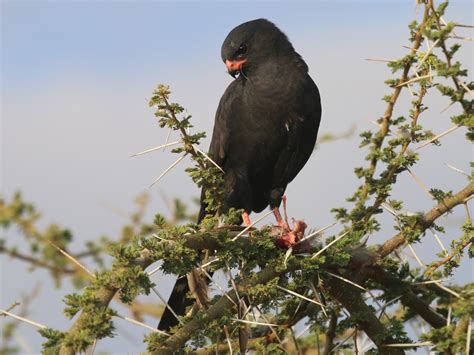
273, 106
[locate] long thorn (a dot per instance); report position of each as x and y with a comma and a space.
207, 157
254, 323
408, 345
346, 280
456, 169
156, 148
427, 54
427, 76
143, 325
251, 225
167, 170
314, 234
38, 325
167, 138
438, 136
71, 258
468, 336
329, 245
217, 285
420, 183
300, 296
166, 304
447, 290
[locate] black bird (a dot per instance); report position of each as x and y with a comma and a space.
265, 127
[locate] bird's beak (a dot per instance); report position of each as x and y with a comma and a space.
234, 66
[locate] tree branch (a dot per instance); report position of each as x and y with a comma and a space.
409, 298
351, 299
428, 219
177, 340
387, 116
36, 262
330, 333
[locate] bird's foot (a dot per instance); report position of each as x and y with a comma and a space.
287, 238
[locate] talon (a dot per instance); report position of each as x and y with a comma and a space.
288, 238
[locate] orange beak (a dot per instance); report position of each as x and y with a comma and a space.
235, 65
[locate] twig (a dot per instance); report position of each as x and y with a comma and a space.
428, 218
35, 262
37, 325
330, 333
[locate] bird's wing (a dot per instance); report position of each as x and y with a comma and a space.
302, 126
219, 147
220, 136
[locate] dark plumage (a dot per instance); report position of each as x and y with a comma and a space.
265, 127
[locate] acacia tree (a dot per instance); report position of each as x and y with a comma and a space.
340, 291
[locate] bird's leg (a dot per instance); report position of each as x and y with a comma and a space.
246, 219
283, 199
280, 221
288, 237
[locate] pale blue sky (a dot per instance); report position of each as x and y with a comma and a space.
76, 75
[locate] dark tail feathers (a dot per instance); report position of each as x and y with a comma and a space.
178, 303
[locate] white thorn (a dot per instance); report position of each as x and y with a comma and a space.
156, 148
251, 225
329, 245
167, 170
207, 157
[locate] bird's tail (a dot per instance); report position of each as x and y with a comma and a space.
178, 301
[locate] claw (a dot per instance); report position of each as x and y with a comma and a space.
288, 237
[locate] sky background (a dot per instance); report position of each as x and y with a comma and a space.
76, 77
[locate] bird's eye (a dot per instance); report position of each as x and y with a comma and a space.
241, 51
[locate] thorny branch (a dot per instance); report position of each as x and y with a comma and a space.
348, 268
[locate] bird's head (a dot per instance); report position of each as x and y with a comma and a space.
252, 43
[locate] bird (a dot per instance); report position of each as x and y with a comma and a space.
265, 130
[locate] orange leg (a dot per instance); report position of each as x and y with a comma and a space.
284, 209
246, 218
280, 221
